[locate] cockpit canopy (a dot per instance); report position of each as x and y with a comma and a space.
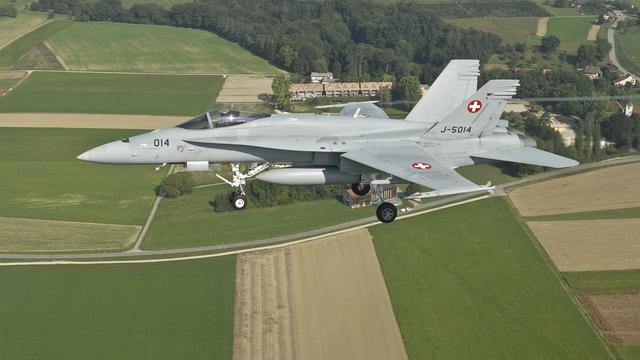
221, 118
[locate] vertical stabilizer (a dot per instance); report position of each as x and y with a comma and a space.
479, 114
456, 82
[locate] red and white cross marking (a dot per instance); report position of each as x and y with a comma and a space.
474, 106
420, 165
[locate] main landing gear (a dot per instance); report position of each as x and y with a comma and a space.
238, 198
386, 212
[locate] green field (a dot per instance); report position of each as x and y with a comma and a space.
179, 310
555, 11
12, 52
510, 29
11, 29
113, 94
628, 352
572, 31
469, 283
628, 50
604, 282
151, 48
41, 178
481, 174
189, 221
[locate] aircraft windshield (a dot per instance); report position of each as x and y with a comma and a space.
221, 118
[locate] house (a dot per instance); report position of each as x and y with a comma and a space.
626, 109
349, 198
625, 79
592, 72
318, 77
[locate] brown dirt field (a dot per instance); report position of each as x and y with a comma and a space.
245, 89
617, 316
264, 327
592, 35
324, 299
89, 121
592, 245
615, 187
542, 26
343, 310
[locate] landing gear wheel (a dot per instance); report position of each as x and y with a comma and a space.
360, 189
238, 201
386, 212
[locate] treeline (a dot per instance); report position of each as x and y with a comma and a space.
355, 39
262, 194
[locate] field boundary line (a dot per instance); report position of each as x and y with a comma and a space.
234, 252
17, 84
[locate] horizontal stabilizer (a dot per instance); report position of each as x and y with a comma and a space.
529, 155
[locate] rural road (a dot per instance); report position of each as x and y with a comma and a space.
611, 38
312, 234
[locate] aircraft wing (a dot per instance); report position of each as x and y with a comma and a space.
413, 164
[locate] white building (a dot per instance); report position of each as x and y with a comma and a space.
318, 77
624, 80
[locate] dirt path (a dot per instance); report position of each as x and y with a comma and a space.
617, 316
89, 121
615, 187
343, 309
592, 35
590, 245
542, 26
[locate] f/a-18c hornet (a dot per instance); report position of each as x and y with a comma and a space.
452, 125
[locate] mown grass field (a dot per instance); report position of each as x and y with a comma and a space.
30, 235
113, 94
42, 179
12, 28
150, 48
628, 50
572, 31
179, 310
189, 221
510, 29
469, 283
604, 282
12, 52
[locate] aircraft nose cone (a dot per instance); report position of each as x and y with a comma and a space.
116, 152
85, 156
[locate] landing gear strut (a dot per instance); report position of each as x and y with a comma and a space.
386, 211
238, 198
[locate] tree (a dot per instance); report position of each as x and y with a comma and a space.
175, 185
407, 89
549, 44
9, 11
560, 3
281, 92
384, 96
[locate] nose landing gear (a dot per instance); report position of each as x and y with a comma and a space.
238, 198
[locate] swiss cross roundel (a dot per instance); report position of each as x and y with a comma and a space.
420, 165
474, 106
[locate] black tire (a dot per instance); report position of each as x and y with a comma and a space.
386, 212
360, 189
238, 201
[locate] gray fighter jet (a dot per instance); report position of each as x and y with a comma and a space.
452, 125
